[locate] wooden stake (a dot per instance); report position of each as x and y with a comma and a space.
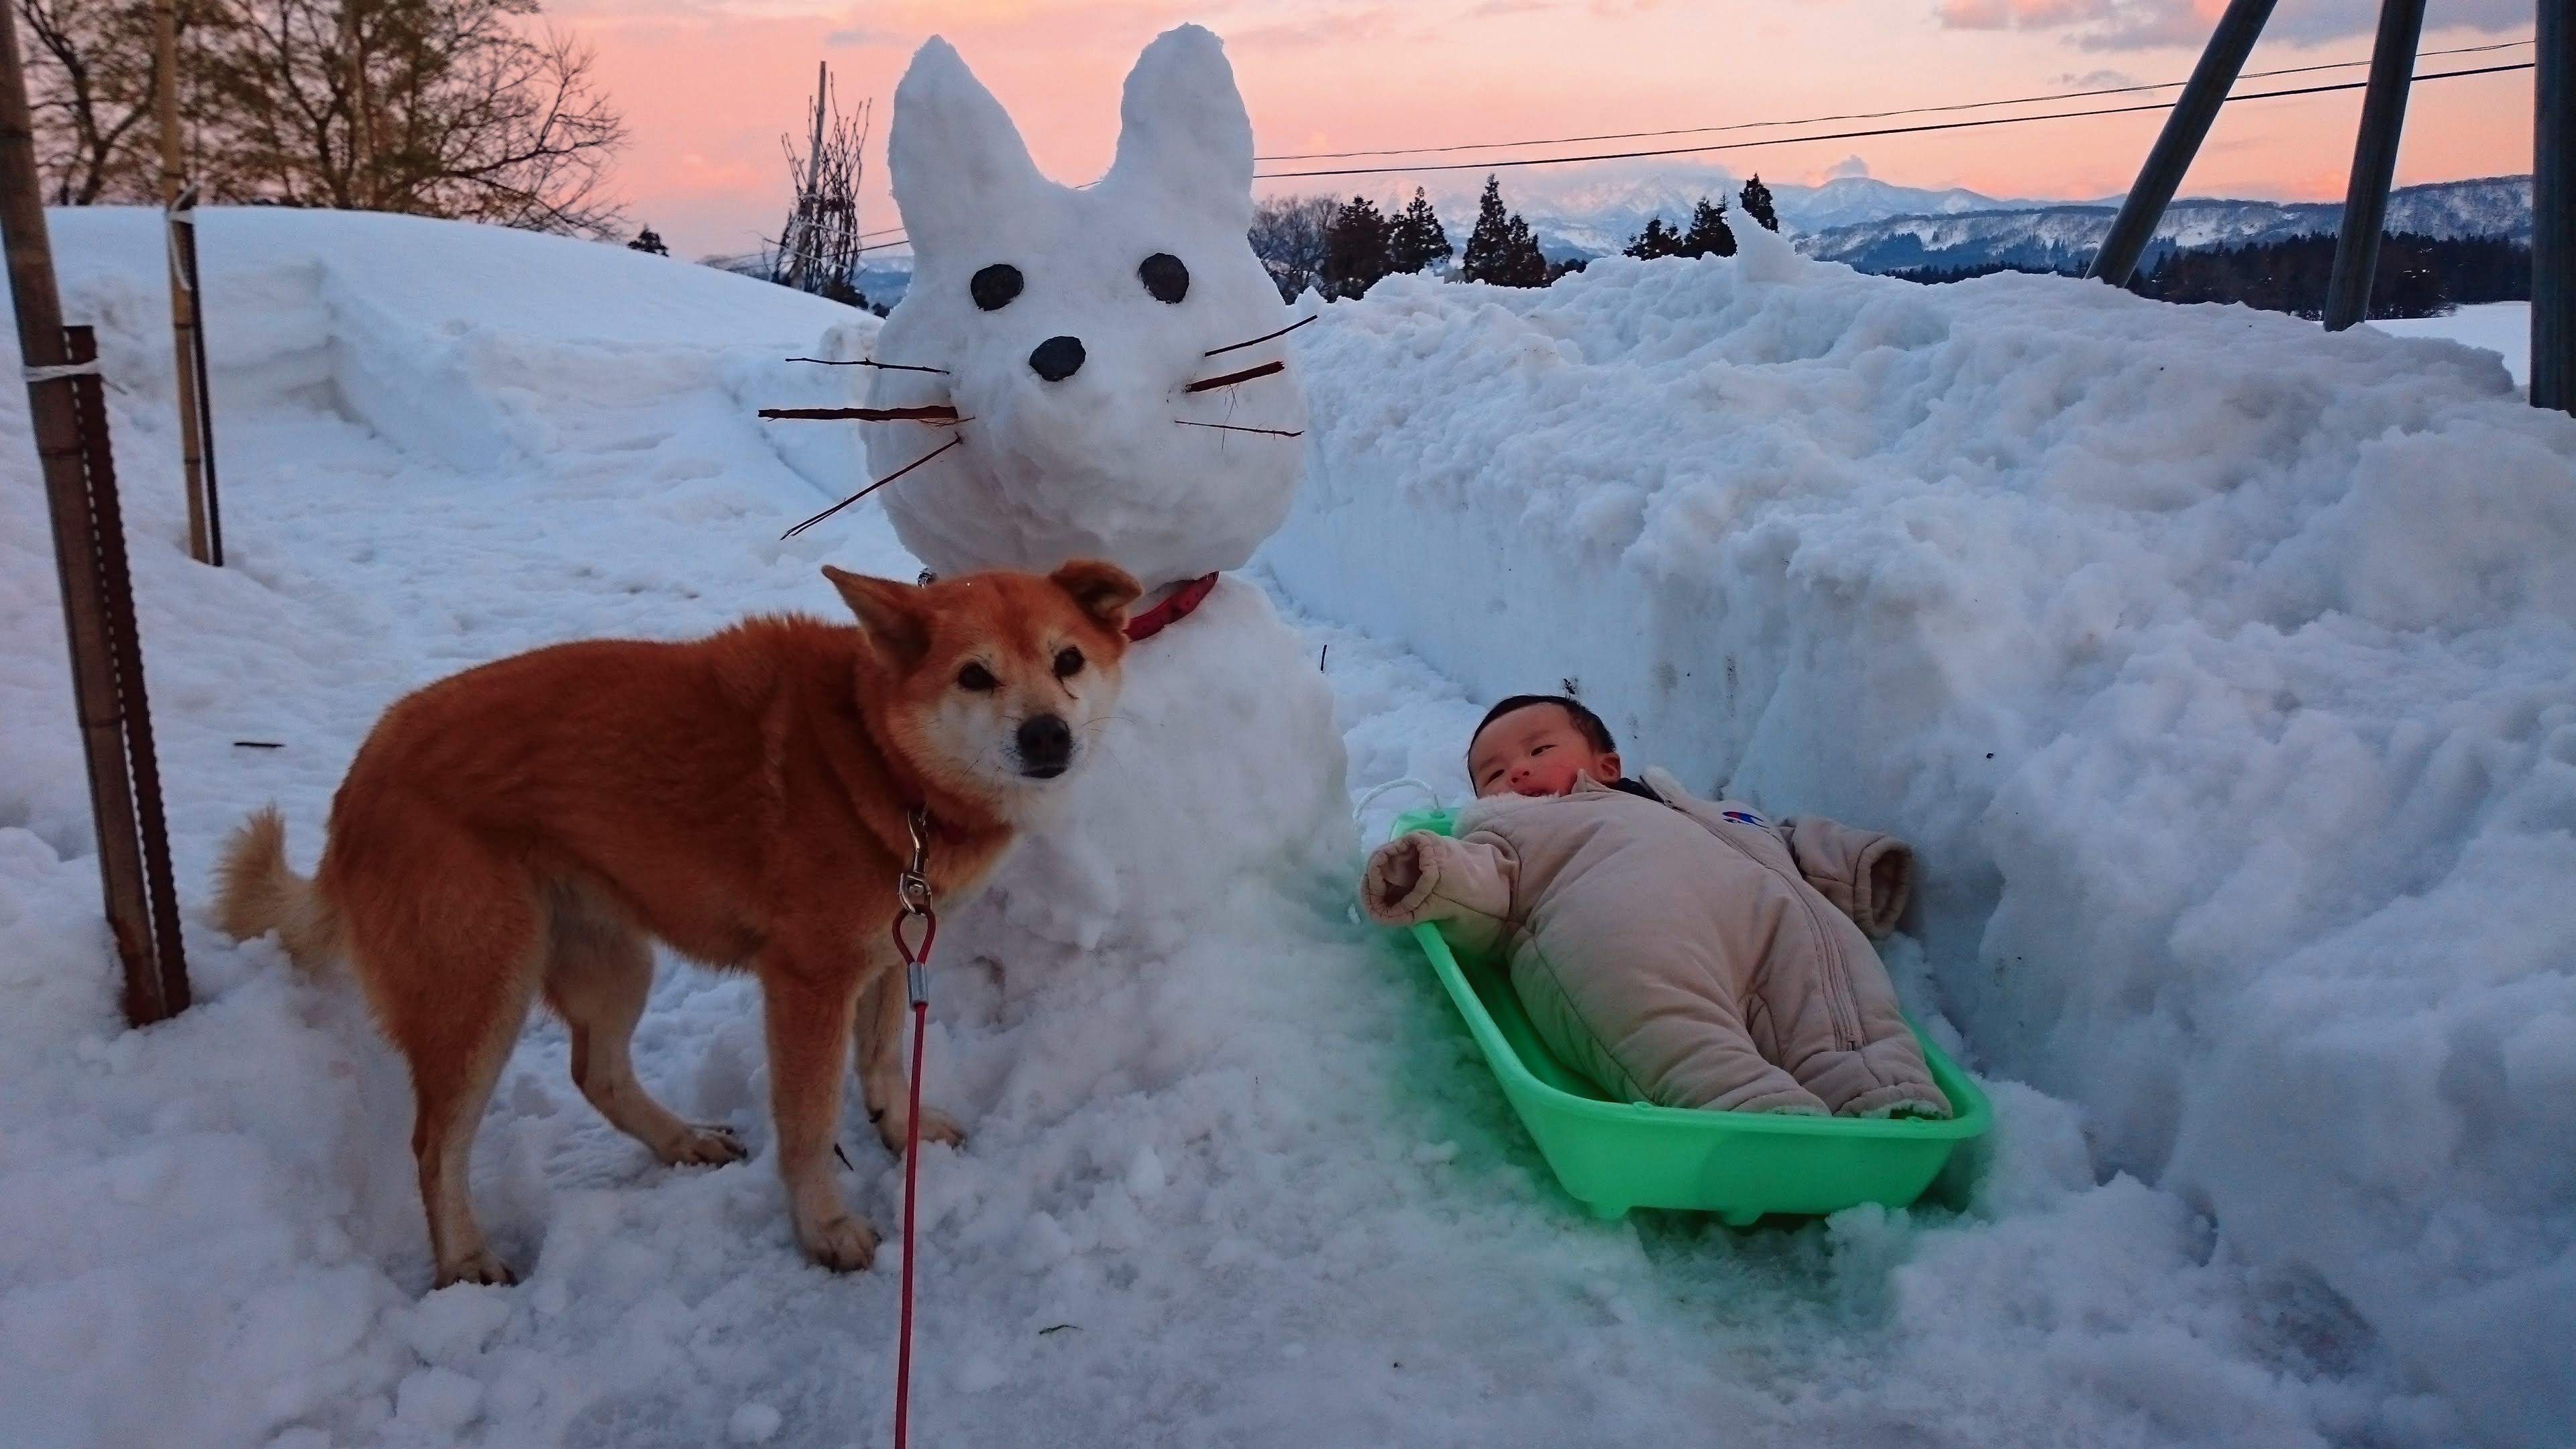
155, 979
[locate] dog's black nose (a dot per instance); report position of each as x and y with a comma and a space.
1046, 746
1057, 358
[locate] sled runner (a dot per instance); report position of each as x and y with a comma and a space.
1612, 1155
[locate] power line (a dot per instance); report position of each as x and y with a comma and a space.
1497, 165
1851, 115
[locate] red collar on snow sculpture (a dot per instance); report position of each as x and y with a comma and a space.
1175, 607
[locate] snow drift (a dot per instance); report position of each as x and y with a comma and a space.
2223, 673
1255, 1188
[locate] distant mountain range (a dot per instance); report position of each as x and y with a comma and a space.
1599, 219
2065, 236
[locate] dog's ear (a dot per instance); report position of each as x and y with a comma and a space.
889, 611
1103, 589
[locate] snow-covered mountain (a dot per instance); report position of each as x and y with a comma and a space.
2064, 235
1599, 218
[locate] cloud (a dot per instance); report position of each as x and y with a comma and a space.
2093, 80
1851, 165
2186, 24
862, 35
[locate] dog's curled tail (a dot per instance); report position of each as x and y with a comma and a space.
257, 892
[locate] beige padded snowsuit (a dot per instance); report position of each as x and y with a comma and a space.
1690, 953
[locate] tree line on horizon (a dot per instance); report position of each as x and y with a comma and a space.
1343, 248
2416, 276
448, 108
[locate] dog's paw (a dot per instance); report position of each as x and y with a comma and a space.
845, 1244
936, 1126
480, 1266
707, 1146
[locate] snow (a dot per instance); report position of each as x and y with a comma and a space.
2254, 926
2222, 672
2503, 328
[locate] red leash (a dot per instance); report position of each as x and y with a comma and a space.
913, 890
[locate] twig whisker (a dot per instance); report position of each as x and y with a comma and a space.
1230, 379
1231, 428
864, 362
871, 488
1264, 337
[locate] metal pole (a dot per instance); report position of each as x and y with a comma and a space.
55, 415
2374, 162
125, 645
2180, 140
184, 232
183, 310
2553, 210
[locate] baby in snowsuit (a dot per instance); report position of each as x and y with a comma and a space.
1676, 951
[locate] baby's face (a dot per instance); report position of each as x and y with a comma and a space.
1536, 750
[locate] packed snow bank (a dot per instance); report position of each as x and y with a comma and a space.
2503, 328
1253, 1186
2224, 673
467, 344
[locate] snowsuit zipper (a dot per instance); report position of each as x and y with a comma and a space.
1839, 996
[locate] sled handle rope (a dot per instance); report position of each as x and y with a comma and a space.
1408, 781
913, 904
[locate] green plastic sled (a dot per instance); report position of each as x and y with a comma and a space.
1613, 1155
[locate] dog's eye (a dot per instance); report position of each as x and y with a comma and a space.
1165, 277
1068, 663
995, 286
977, 678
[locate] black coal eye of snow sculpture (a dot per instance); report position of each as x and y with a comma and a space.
995, 286
1165, 277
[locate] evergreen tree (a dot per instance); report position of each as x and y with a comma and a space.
1355, 249
1564, 268
1709, 235
1501, 250
1417, 239
648, 240
1484, 254
1757, 204
1657, 240
1524, 265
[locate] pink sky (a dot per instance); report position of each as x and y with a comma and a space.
708, 86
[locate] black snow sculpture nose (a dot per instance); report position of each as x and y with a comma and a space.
1046, 746
1057, 358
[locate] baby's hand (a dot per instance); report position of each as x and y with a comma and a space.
1393, 871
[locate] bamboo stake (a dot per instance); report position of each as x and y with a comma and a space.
53, 379
183, 302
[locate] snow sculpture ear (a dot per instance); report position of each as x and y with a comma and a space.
957, 162
1183, 130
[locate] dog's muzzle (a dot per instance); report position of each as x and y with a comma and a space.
1046, 746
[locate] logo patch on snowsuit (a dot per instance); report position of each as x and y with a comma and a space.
1742, 817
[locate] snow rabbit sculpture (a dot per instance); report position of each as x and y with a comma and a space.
1121, 390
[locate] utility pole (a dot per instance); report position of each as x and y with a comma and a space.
2553, 210
2374, 162
2193, 111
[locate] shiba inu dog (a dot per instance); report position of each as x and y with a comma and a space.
525, 828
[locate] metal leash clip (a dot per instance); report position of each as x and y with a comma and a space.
913, 899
